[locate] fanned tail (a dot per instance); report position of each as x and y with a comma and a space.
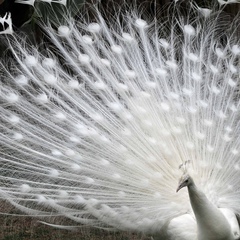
95, 130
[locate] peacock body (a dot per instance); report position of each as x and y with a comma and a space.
93, 131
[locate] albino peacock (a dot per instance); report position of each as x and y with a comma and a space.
94, 130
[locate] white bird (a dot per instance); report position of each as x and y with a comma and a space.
210, 222
92, 132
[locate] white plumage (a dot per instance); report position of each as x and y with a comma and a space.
95, 130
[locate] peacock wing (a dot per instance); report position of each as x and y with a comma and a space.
182, 227
233, 221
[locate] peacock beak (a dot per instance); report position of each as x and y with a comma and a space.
179, 187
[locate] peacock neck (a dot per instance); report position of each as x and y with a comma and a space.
199, 202
211, 223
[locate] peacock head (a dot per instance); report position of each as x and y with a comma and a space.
184, 181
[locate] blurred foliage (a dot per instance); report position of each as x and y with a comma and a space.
26, 18
55, 12
25, 13
21, 13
